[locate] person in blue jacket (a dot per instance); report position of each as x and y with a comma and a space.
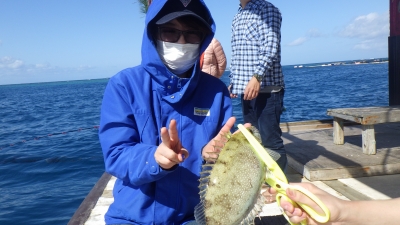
161, 119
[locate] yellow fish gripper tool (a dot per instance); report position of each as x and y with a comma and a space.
277, 180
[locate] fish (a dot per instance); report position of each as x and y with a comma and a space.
230, 186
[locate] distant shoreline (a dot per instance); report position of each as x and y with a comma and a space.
337, 63
340, 63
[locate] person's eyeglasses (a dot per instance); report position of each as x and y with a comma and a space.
168, 34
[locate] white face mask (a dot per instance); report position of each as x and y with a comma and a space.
179, 58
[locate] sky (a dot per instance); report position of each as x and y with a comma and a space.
47, 40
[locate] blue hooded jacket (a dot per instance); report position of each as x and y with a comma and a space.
137, 103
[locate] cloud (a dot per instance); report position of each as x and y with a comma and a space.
83, 68
370, 31
10, 63
11, 66
42, 66
371, 45
298, 41
368, 26
312, 33
16, 64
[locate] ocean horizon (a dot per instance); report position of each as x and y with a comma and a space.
331, 63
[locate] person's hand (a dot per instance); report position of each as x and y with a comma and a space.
335, 205
252, 89
211, 150
230, 93
170, 152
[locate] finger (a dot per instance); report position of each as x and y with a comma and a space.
247, 125
183, 155
299, 197
169, 157
246, 93
297, 220
210, 152
249, 95
228, 125
165, 137
173, 133
219, 141
295, 215
222, 137
299, 213
311, 187
271, 191
165, 157
172, 156
166, 162
253, 94
212, 155
287, 206
214, 146
245, 96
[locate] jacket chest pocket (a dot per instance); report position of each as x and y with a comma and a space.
147, 129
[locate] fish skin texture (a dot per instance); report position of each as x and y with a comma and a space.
230, 187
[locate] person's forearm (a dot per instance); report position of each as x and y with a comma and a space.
371, 212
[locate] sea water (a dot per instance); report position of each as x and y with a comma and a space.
50, 155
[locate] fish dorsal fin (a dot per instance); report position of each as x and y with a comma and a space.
199, 212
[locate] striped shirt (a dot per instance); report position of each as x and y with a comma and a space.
256, 37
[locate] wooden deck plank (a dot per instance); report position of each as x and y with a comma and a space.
363, 188
377, 187
83, 212
313, 154
97, 214
347, 192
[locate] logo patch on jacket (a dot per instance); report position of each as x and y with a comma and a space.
185, 2
201, 112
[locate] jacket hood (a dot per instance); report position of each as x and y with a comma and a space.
158, 9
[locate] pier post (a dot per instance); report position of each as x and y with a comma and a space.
394, 53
